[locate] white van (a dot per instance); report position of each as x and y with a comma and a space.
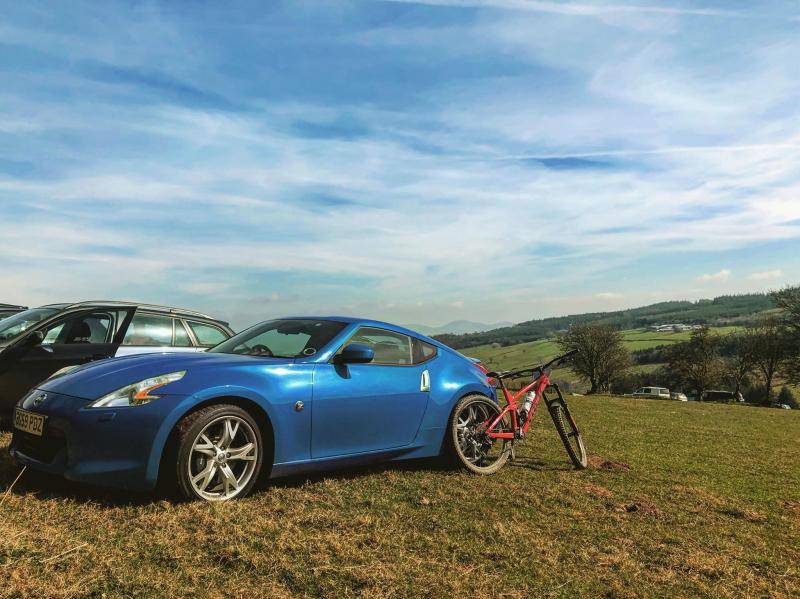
652, 392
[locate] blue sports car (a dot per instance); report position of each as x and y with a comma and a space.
285, 396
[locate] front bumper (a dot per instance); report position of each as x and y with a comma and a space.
109, 447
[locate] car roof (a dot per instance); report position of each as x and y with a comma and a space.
375, 323
182, 312
11, 307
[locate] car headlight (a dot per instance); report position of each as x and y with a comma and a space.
63, 371
137, 394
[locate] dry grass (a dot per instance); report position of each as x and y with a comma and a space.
681, 500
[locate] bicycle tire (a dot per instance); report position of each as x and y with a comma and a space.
456, 444
569, 433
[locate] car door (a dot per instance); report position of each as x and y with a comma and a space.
360, 408
74, 339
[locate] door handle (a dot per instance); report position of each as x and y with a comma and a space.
425, 383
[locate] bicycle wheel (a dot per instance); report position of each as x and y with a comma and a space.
568, 431
469, 444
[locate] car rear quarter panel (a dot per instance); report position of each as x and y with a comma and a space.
452, 377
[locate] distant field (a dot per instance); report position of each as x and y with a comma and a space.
536, 352
689, 500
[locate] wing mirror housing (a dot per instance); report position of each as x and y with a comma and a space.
33, 339
355, 353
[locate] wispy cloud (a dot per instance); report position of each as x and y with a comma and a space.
609, 295
722, 275
577, 8
766, 275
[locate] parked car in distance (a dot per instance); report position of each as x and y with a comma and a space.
652, 393
285, 396
7, 310
38, 342
716, 395
780, 406
677, 396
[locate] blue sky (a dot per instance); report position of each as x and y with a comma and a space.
411, 161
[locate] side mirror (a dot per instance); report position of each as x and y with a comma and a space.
33, 339
355, 353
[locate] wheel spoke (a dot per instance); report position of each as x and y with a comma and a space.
207, 447
245, 452
229, 478
205, 477
229, 430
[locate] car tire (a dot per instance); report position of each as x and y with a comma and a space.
220, 451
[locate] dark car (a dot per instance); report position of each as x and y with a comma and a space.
722, 396
36, 343
7, 310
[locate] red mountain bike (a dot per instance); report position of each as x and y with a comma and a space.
483, 434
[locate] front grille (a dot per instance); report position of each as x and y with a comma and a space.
42, 449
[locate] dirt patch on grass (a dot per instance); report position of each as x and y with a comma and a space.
748, 515
600, 463
598, 491
790, 504
645, 508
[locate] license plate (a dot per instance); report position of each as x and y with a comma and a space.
29, 422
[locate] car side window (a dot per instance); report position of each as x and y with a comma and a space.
149, 330
206, 334
181, 335
83, 328
393, 349
423, 351
53, 333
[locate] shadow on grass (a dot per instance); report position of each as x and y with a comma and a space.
47, 486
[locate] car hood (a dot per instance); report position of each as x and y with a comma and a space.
94, 380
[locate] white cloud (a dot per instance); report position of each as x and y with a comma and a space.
609, 295
576, 8
766, 275
722, 275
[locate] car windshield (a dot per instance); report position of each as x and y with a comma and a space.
282, 339
17, 324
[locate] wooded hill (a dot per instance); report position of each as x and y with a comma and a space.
723, 310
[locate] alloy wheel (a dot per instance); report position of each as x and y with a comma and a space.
223, 458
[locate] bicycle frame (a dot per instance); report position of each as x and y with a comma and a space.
539, 385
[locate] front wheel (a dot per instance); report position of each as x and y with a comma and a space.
220, 452
469, 443
568, 431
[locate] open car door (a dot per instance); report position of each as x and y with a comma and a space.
73, 338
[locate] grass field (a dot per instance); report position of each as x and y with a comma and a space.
681, 500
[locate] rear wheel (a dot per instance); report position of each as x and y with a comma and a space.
568, 431
469, 443
220, 452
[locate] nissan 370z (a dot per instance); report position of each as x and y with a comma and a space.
283, 397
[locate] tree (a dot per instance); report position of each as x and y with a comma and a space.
788, 300
787, 397
696, 363
740, 364
601, 356
771, 346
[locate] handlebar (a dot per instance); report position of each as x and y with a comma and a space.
507, 374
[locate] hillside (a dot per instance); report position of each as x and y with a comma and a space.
536, 352
720, 311
686, 500
457, 327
